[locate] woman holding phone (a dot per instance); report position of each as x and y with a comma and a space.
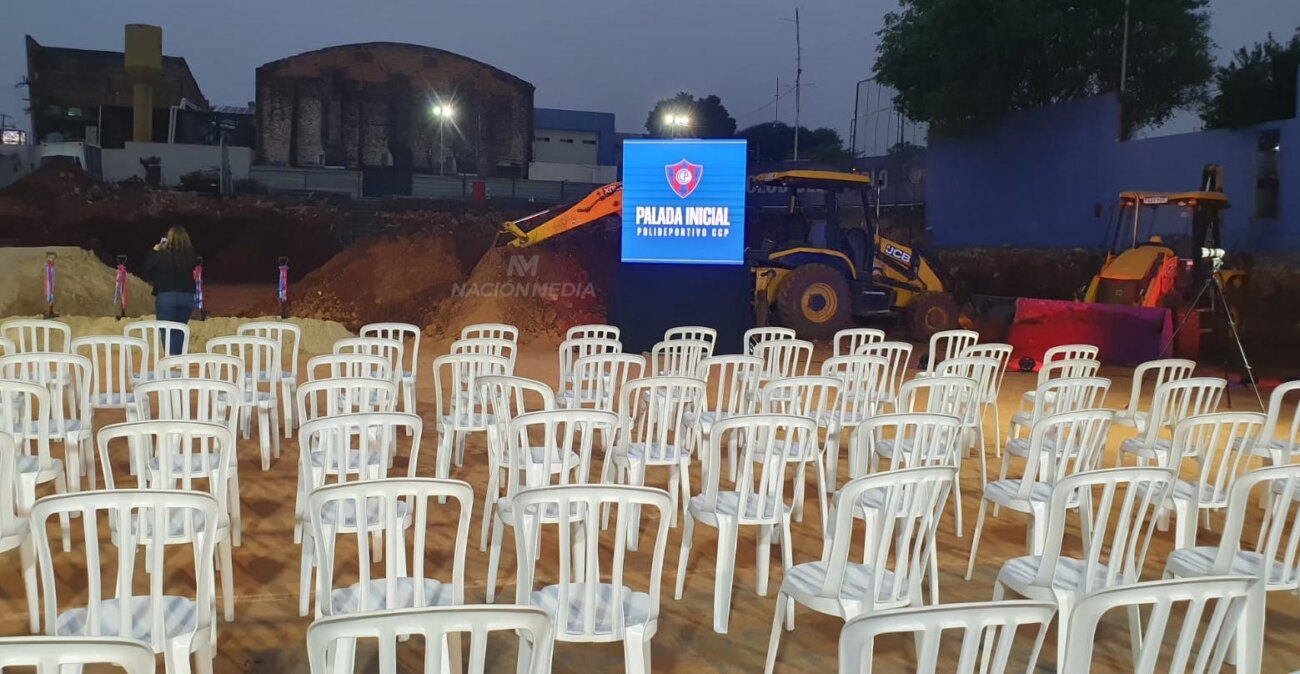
170, 268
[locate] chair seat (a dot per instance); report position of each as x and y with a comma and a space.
374, 457
1136, 446
56, 429
1006, 493
806, 580
728, 504
1201, 494
1136, 420
1019, 574
887, 448
636, 608
199, 464
430, 592
258, 398
180, 616
550, 514
112, 399
329, 515
32, 464
663, 454
1199, 561
178, 526
470, 421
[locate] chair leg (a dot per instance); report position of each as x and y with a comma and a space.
88, 453
975, 538
61, 487
684, 554
306, 566
263, 436
764, 561
636, 652
286, 409
232, 505
494, 558
725, 573
274, 428
1185, 524
774, 641
27, 553
227, 579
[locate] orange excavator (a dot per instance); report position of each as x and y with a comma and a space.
533, 229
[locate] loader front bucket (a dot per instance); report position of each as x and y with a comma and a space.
1124, 335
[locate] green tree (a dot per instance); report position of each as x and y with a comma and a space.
958, 64
774, 141
1258, 85
684, 116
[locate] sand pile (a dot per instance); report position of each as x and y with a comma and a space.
317, 336
402, 279
83, 284
543, 291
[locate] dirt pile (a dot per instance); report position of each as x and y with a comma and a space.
402, 279
82, 284
1019, 272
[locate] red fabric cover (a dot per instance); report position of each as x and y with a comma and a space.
1124, 335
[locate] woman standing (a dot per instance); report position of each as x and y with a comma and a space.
170, 268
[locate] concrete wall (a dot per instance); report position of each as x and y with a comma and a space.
16, 161
582, 173
1048, 177
557, 146
550, 121
177, 160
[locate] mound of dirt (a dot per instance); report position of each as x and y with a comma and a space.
82, 284
542, 291
401, 279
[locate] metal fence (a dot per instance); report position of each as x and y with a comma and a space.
285, 179
288, 179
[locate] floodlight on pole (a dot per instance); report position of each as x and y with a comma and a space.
443, 111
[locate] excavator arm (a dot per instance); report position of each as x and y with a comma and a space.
538, 227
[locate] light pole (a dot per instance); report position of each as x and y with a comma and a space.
853, 126
443, 112
673, 122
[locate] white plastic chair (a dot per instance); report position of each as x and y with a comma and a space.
37, 335
898, 354
571, 350
55, 655
755, 336
490, 331
174, 625
334, 638
1002, 354
593, 331
847, 341
756, 499
656, 431
214, 366
1059, 445
262, 368
1051, 371
693, 332
206, 400
784, 358
505, 397
178, 454
406, 370
1057, 354
898, 549
388, 512
1070, 394
67, 377
678, 357
333, 397
1118, 509
595, 380
486, 346
25, 410
289, 337
544, 449
1221, 447
734, 393
816, 398
1284, 449
992, 625
1216, 611
948, 344
458, 409
158, 335
15, 531
859, 378
348, 366
1173, 402
391, 349
592, 599
1157, 372
984, 372
113, 363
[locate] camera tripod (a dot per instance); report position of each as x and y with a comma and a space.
1214, 287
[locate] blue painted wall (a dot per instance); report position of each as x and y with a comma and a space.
600, 123
1036, 178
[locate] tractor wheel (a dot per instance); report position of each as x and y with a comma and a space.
814, 299
931, 313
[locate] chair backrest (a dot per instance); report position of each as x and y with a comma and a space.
7, 347
847, 341
490, 331
812, 397
765, 440
1070, 352
571, 511
947, 344
1277, 536
189, 400
997, 351
487, 346
1069, 394
693, 332
9, 518
219, 367
433, 626
25, 411
157, 334
655, 412
133, 515
455, 388
286, 335
1220, 446
544, 445
37, 335
1284, 449
900, 544
947, 395
992, 625
1120, 523
919, 439
405, 333
114, 362
1156, 372
735, 389
1064, 444
983, 371
349, 366
1215, 611
261, 356
678, 357
596, 380
393, 510
1063, 368
859, 378
50, 655
184, 450
898, 354
593, 330
350, 447
579, 347
755, 336
784, 358
506, 397
1182, 399
67, 377
391, 349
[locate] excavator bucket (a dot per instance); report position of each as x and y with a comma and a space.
1124, 335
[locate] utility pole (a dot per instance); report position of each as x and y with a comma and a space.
853, 126
4, 120
1123, 53
776, 103
798, 79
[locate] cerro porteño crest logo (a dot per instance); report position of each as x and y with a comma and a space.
684, 177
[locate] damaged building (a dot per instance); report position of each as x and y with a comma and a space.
374, 107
